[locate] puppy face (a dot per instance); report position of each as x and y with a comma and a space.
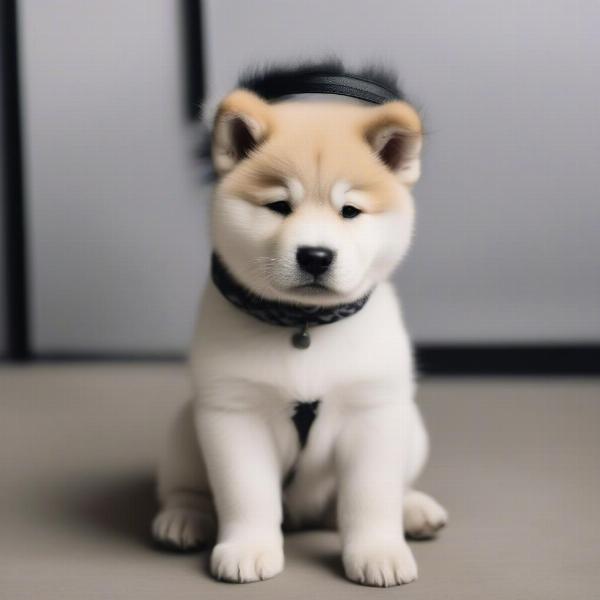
313, 204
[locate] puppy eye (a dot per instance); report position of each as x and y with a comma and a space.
283, 207
350, 212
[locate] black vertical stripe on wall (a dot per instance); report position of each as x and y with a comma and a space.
191, 31
17, 331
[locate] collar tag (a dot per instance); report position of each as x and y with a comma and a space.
301, 339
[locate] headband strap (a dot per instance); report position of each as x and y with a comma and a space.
323, 83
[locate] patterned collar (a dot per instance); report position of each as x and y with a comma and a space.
280, 313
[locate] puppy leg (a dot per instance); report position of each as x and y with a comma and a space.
245, 474
423, 516
186, 520
369, 453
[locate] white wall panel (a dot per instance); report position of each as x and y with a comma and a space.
507, 242
508, 232
116, 212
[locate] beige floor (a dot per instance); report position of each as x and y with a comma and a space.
515, 461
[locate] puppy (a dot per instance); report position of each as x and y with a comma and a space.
302, 369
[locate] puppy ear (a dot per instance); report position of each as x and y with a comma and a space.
241, 125
394, 132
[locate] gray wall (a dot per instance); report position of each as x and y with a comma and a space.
507, 240
118, 238
508, 234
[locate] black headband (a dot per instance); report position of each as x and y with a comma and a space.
324, 83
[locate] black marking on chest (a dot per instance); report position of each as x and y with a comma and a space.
304, 415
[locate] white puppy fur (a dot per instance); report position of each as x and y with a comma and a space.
222, 474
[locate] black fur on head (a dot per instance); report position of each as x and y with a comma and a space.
274, 81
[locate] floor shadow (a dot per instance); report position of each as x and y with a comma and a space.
121, 507
316, 548
332, 561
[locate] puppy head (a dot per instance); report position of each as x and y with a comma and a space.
313, 204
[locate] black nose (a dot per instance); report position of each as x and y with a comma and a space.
314, 259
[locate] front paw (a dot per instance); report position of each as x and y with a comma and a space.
242, 562
379, 563
180, 528
423, 516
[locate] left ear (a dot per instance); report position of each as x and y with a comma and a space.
394, 132
241, 125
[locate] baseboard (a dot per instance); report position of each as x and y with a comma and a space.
431, 359
509, 359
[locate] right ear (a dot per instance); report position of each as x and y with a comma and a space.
395, 134
242, 124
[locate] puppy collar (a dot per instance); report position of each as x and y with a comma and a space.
282, 314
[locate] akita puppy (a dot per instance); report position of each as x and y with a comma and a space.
302, 367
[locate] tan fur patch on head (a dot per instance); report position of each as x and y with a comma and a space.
372, 150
